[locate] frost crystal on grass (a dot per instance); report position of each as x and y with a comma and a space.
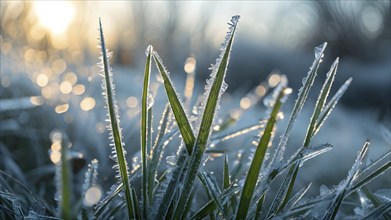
215, 68
108, 88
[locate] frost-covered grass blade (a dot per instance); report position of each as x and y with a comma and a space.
161, 140
63, 173
176, 106
345, 185
308, 81
286, 187
256, 163
145, 126
212, 94
114, 126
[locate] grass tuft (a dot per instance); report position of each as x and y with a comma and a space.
185, 187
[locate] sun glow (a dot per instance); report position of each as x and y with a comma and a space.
54, 15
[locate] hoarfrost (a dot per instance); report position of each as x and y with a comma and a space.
319, 51
110, 100
172, 160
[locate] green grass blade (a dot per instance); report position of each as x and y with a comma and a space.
157, 150
135, 203
145, 127
213, 95
176, 106
205, 210
65, 186
259, 206
256, 163
108, 87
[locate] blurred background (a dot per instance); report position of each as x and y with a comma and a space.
50, 81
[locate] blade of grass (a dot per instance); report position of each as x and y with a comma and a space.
286, 187
176, 106
65, 206
135, 203
215, 139
145, 125
331, 104
256, 163
115, 130
300, 101
211, 104
157, 150
370, 177
345, 185
296, 198
259, 206
321, 102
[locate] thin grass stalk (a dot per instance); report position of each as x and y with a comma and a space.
207, 121
65, 186
259, 206
259, 155
157, 151
144, 132
333, 208
300, 101
284, 191
114, 122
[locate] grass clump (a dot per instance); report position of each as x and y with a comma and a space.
176, 190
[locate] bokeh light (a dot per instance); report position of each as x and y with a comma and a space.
273, 80
61, 108
132, 102
190, 65
92, 196
245, 103
87, 104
